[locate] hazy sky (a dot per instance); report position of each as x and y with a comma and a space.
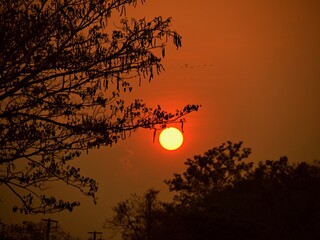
254, 65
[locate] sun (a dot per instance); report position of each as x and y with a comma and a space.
171, 138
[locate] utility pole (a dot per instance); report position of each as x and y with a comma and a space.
49, 221
95, 233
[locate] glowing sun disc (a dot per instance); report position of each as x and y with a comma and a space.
171, 138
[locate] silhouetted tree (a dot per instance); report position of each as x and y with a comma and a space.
137, 218
219, 196
218, 168
63, 67
28, 230
281, 199
234, 200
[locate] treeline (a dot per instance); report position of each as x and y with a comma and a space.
28, 230
222, 196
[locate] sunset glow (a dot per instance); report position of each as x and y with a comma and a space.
171, 138
94, 110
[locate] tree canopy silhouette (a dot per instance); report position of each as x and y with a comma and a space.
137, 217
213, 171
64, 65
222, 196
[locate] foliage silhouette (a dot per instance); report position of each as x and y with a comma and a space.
218, 168
28, 230
274, 200
236, 199
137, 217
64, 66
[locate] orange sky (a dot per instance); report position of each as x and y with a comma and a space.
255, 68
